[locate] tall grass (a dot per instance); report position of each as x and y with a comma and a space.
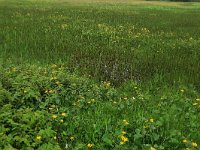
114, 42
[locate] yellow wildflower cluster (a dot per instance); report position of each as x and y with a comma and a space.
123, 138
58, 83
151, 120
38, 138
107, 84
49, 91
89, 145
125, 122
61, 120
63, 114
184, 141
54, 116
72, 138
53, 78
152, 148
192, 144
91, 101
197, 102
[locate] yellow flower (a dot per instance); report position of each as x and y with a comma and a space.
125, 122
54, 116
194, 104
61, 120
114, 102
107, 84
121, 143
57, 82
89, 145
187, 149
123, 132
93, 100
50, 91
184, 141
63, 114
124, 139
194, 144
55, 138
182, 90
198, 99
152, 148
38, 137
53, 78
151, 120
125, 98
71, 138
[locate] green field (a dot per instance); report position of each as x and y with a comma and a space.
101, 74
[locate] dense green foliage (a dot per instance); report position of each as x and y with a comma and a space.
150, 51
47, 108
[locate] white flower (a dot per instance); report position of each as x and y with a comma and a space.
66, 146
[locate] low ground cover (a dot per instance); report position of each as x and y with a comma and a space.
49, 108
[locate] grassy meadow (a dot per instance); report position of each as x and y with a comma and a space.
101, 74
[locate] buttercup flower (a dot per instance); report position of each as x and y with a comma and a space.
50, 91
38, 137
121, 143
184, 141
151, 120
123, 132
194, 144
63, 114
125, 122
71, 138
89, 145
124, 139
54, 116
152, 148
